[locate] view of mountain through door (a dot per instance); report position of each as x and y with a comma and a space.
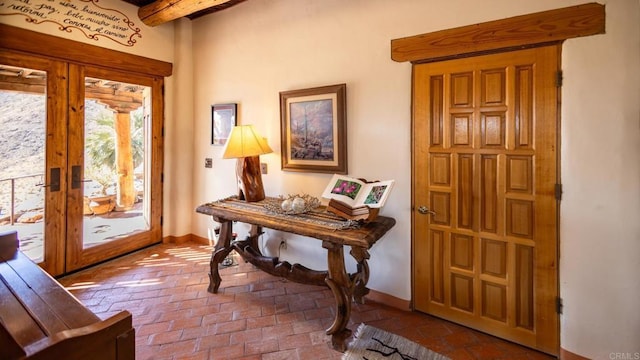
76, 179
484, 175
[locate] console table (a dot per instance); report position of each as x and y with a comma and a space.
333, 231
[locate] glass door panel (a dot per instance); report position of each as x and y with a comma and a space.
109, 210
33, 96
114, 161
23, 119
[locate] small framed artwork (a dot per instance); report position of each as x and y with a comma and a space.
313, 126
223, 119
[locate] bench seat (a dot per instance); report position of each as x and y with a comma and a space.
40, 319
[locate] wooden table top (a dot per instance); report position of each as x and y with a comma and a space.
318, 223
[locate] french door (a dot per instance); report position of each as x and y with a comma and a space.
80, 178
484, 173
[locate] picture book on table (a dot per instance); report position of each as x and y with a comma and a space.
357, 193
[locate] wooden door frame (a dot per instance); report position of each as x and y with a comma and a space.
56, 88
17, 41
532, 30
519, 32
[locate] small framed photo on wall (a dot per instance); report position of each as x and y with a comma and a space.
223, 119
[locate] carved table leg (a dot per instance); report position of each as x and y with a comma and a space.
340, 284
220, 252
362, 277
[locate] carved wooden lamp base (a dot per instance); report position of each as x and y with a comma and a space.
249, 176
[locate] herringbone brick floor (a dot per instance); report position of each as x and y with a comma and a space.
254, 316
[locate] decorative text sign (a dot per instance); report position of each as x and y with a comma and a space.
85, 15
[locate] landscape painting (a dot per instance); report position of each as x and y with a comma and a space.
311, 124
313, 129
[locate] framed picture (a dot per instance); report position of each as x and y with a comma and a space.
223, 119
313, 126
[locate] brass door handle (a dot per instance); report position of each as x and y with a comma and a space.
425, 210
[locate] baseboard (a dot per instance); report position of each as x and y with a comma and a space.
180, 239
389, 300
568, 355
200, 240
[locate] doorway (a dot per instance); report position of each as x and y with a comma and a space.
484, 175
81, 173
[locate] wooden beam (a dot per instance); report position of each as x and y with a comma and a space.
32, 42
512, 33
162, 11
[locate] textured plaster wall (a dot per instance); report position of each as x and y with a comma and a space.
251, 52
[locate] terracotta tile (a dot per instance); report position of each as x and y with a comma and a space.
459, 354
261, 322
166, 337
294, 341
318, 314
227, 353
193, 333
153, 328
461, 339
486, 351
278, 331
231, 326
246, 314
174, 315
240, 337
316, 352
281, 355
186, 323
254, 315
260, 346
178, 349
291, 317
307, 326
217, 318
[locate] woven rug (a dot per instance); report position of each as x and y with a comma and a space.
371, 343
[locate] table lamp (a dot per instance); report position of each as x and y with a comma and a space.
247, 146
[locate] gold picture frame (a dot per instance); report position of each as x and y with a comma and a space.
313, 126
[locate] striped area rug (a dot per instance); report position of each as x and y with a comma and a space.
371, 343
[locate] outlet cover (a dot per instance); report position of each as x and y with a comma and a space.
208, 163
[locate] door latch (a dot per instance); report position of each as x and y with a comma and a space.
76, 179
425, 210
54, 178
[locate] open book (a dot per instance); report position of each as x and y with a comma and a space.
356, 193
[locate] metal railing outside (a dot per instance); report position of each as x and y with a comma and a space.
12, 207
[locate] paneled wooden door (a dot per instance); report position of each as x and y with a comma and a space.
485, 212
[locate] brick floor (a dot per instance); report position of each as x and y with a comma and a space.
254, 316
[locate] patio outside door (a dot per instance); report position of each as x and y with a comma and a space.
81, 192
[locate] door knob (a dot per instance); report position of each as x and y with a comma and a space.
425, 210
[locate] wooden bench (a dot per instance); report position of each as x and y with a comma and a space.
39, 319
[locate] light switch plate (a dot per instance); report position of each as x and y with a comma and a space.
263, 168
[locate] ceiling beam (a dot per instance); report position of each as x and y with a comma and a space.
162, 11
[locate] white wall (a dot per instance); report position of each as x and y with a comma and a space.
600, 211
249, 53
153, 42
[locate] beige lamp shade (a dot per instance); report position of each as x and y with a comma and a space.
243, 142
247, 146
